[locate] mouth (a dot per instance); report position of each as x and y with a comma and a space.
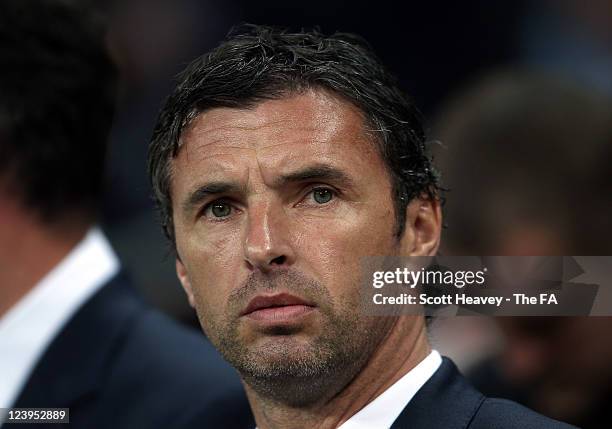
277, 308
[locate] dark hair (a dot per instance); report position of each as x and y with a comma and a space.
257, 63
56, 105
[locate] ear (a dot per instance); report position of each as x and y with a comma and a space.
181, 272
423, 227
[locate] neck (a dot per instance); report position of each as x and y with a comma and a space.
29, 249
398, 353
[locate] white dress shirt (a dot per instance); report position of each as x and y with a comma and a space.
36, 319
386, 408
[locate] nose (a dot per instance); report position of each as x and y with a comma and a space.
267, 244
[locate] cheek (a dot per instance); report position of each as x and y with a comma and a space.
359, 232
212, 265
333, 248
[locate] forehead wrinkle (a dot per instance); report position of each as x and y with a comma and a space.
197, 146
222, 153
302, 135
249, 120
261, 118
307, 134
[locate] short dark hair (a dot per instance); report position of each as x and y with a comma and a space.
57, 87
257, 63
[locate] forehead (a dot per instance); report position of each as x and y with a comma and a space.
277, 136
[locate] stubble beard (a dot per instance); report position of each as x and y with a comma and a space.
287, 368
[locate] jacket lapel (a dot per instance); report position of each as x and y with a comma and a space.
447, 401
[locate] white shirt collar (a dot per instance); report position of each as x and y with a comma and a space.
30, 325
386, 408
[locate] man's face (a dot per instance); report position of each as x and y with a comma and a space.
273, 208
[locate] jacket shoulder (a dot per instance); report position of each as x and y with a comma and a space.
156, 367
156, 349
495, 413
447, 400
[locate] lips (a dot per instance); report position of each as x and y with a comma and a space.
277, 305
270, 301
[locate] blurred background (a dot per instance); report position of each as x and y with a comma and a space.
517, 95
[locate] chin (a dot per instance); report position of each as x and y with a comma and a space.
284, 356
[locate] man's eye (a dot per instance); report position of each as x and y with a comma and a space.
220, 209
322, 195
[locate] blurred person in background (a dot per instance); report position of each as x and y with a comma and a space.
73, 332
527, 159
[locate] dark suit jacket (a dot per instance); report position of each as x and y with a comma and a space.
120, 364
448, 401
